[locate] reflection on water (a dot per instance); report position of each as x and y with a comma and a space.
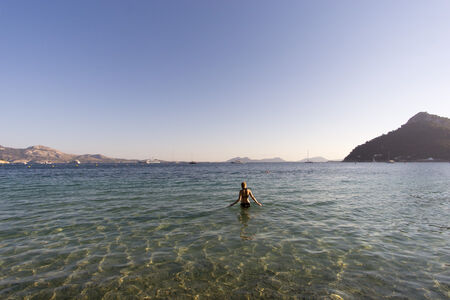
244, 217
326, 231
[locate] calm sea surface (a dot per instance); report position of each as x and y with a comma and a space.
330, 230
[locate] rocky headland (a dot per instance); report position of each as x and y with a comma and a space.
425, 137
45, 155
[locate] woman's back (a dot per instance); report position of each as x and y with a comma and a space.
245, 192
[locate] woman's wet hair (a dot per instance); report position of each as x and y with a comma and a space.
244, 184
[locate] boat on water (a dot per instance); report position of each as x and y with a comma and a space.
390, 161
237, 162
307, 159
149, 161
192, 162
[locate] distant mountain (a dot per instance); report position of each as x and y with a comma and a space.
249, 160
42, 155
424, 137
314, 159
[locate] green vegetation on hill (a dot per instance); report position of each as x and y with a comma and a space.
423, 137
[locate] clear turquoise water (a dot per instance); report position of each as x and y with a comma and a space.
163, 231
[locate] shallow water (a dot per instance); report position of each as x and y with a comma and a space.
368, 230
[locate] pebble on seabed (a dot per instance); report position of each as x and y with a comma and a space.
336, 297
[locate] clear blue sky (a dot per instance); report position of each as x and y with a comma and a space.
210, 80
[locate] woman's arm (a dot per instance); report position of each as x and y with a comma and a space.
239, 199
254, 199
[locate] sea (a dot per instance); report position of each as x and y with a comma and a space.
165, 231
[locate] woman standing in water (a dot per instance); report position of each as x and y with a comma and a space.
243, 197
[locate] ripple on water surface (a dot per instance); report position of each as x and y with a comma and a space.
331, 231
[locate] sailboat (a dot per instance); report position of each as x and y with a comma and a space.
307, 159
390, 161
